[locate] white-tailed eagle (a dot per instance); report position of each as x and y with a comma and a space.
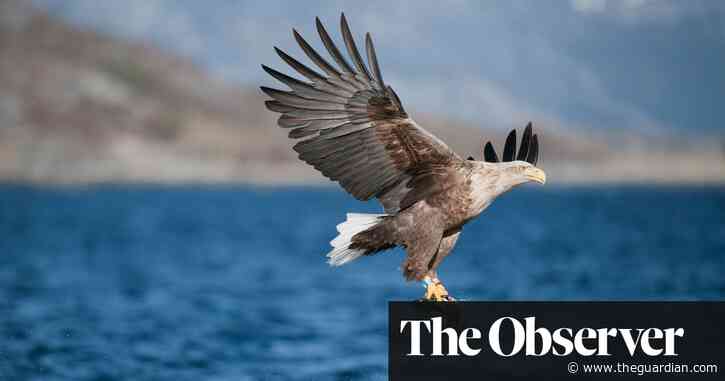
353, 128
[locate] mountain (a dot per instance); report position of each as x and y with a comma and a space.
77, 106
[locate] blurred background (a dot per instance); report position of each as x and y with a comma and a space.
156, 224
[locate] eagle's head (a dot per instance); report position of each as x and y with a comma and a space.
519, 172
515, 169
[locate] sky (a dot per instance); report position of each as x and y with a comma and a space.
651, 65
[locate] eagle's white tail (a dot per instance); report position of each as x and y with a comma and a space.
355, 223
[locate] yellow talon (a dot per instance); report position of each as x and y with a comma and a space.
435, 291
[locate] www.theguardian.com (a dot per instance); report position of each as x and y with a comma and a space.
640, 369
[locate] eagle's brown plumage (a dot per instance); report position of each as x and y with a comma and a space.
354, 129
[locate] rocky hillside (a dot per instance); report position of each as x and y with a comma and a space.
79, 107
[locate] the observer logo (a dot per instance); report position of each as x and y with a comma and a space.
516, 340
530, 340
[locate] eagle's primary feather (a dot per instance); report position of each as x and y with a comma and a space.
354, 129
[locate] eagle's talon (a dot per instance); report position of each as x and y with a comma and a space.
436, 292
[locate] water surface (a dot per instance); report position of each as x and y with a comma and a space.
230, 283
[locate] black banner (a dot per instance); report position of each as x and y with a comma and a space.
556, 340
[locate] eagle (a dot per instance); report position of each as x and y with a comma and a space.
353, 128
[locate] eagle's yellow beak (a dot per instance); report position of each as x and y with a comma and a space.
535, 174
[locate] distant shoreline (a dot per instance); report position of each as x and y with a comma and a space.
322, 185
121, 112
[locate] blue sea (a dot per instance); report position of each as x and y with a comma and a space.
230, 283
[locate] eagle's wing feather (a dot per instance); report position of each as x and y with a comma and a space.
355, 129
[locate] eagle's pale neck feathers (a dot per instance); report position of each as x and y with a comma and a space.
489, 180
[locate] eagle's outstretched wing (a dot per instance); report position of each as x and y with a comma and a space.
354, 128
